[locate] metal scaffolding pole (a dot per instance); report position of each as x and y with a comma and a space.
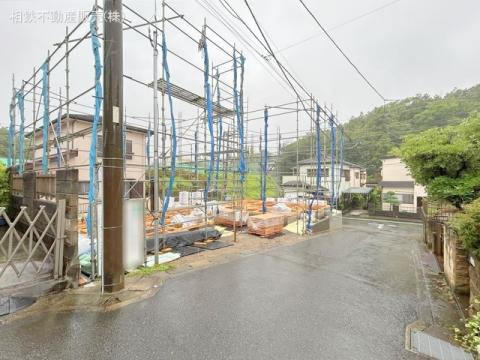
113, 276
156, 204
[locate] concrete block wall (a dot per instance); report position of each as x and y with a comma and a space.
67, 189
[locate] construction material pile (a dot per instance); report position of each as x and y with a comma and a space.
265, 224
231, 217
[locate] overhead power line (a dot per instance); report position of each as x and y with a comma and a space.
342, 52
338, 26
269, 49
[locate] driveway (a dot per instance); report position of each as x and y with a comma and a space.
344, 295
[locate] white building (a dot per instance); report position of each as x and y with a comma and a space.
305, 177
396, 178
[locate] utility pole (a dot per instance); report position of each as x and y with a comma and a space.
113, 276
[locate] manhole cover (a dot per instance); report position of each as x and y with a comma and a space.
426, 344
11, 304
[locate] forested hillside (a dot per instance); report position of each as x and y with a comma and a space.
373, 135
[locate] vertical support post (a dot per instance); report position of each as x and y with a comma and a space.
332, 161
265, 163
58, 266
33, 143
156, 204
11, 130
113, 276
67, 95
296, 166
67, 191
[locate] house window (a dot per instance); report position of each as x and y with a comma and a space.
346, 175
99, 145
129, 150
83, 187
311, 172
325, 172
406, 198
357, 175
402, 198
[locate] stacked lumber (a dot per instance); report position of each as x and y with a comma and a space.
265, 224
231, 217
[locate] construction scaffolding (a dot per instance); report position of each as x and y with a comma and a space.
218, 165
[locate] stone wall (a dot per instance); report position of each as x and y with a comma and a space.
474, 273
455, 262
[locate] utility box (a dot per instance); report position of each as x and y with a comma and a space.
133, 233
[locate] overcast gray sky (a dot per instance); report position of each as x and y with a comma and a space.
409, 47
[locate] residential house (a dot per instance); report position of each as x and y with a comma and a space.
396, 178
304, 178
75, 149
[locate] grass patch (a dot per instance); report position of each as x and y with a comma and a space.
145, 271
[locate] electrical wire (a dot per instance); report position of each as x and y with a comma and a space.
342, 52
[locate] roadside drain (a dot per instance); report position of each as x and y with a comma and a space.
11, 304
425, 344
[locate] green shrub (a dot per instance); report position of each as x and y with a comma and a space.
469, 336
467, 226
4, 187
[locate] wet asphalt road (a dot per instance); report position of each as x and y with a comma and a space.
345, 295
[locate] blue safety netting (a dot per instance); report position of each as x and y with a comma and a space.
265, 161
318, 179
21, 136
166, 73
333, 146
96, 120
239, 113
220, 130
11, 135
209, 107
46, 118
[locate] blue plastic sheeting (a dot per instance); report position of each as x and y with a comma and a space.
319, 167
209, 107
166, 73
46, 118
11, 135
239, 113
333, 145
21, 136
220, 131
265, 161
96, 119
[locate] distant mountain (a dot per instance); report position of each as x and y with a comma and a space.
371, 136
374, 134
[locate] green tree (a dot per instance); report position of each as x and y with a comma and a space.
446, 161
